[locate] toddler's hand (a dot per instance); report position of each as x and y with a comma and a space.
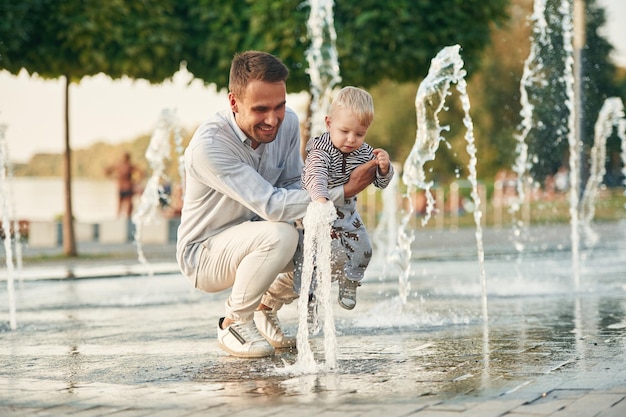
382, 160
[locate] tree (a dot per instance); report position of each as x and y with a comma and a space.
547, 141
376, 40
599, 84
495, 92
72, 39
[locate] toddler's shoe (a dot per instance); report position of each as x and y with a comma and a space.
347, 292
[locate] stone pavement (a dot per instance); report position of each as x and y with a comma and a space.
106, 336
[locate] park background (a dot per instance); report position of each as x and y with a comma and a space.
104, 122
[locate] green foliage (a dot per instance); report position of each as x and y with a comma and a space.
383, 46
391, 40
377, 41
215, 32
77, 38
396, 39
547, 141
394, 125
495, 96
598, 85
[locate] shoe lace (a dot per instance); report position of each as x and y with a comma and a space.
273, 317
249, 331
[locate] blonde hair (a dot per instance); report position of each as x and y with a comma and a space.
357, 100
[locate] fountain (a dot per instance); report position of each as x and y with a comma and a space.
533, 77
530, 77
317, 245
157, 153
5, 174
548, 341
611, 115
385, 235
323, 70
446, 68
573, 136
581, 212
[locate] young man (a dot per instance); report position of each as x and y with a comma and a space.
242, 192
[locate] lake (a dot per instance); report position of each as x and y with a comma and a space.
42, 199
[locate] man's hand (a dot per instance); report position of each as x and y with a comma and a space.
360, 178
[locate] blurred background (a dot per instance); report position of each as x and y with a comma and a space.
117, 66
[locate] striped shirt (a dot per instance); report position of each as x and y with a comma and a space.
326, 167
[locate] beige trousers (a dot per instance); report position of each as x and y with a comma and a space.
255, 259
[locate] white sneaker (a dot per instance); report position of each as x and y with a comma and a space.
242, 339
267, 323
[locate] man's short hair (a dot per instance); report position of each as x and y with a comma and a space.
254, 65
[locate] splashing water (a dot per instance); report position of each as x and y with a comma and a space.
157, 153
472, 177
611, 114
530, 77
317, 254
622, 134
323, 69
534, 63
384, 236
572, 137
446, 68
322, 59
6, 226
429, 101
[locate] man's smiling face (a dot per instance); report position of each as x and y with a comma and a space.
260, 112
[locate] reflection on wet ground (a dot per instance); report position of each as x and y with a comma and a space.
152, 339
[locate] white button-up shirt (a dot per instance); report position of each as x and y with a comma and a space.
227, 182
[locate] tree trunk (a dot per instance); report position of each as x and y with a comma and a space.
69, 240
305, 128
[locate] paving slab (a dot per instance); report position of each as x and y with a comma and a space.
102, 342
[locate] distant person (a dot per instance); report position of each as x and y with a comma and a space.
330, 160
125, 173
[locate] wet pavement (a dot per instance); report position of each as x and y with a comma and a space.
111, 340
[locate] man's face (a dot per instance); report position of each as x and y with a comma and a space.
260, 112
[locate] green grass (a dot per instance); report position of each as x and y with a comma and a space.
610, 206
